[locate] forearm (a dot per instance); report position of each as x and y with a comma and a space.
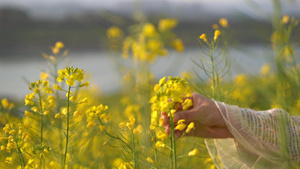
272, 134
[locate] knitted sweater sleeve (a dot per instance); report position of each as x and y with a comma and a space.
261, 139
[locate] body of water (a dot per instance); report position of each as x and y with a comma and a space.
102, 72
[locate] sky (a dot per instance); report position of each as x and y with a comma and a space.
55, 8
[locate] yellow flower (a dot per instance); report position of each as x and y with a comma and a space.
122, 125
3, 138
285, 19
203, 37
215, 26
8, 160
149, 29
190, 127
12, 132
186, 104
193, 152
76, 113
149, 160
5, 103
265, 69
55, 50
69, 94
70, 82
180, 125
57, 116
160, 135
114, 32
34, 109
217, 34
84, 100
159, 144
73, 98
56, 87
86, 84
223, 22
167, 24
44, 75
240, 78
3, 148
138, 129
90, 124
101, 127
178, 45
54, 164
59, 45
27, 113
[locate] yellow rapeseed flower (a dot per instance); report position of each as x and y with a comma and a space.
114, 32
44, 75
215, 26
57, 116
149, 160
186, 104
56, 87
138, 129
3, 138
223, 22
203, 37
217, 34
59, 45
149, 29
178, 45
90, 124
285, 19
84, 100
265, 69
161, 135
8, 160
193, 152
180, 125
167, 24
159, 144
55, 50
190, 127
86, 84
241, 78
27, 113
101, 127
5, 103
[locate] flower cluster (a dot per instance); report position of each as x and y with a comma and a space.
169, 96
223, 22
97, 112
115, 37
216, 35
57, 47
130, 126
70, 75
16, 142
39, 88
150, 42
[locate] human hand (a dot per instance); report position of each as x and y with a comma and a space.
206, 116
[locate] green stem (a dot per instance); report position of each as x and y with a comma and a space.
173, 145
133, 150
42, 116
20, 155
68, 128
57, 110
212, 70
42, 124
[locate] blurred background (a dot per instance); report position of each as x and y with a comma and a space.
30, 27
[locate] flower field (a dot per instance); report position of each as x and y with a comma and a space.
65, 125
